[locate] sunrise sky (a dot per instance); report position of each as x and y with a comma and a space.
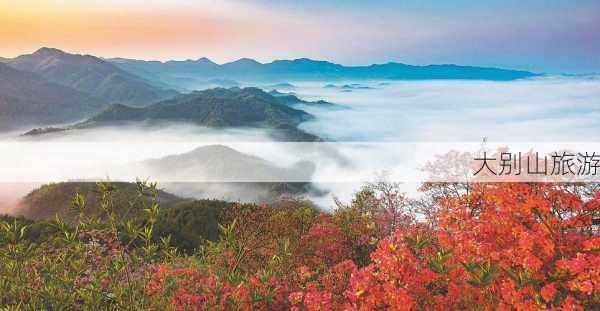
540, 35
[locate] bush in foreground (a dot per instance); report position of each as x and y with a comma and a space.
496, 246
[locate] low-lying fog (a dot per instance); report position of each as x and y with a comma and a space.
550, 109
545, 109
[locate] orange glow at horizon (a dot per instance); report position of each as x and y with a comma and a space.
144, 31
222, 30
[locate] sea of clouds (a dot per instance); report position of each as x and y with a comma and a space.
389, 126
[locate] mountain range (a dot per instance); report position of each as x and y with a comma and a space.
50, 87
175, 73
27, 98
91, 75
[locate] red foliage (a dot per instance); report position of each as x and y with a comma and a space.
323, 245
189, 288
523, 246
328, 292
501, 246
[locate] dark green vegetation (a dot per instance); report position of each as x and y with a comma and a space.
55, 199
29, 99
91, 75
218, 108
189, 222
201, 70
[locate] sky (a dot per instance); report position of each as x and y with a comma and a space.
550, 36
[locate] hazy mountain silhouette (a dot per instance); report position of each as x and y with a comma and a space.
91, 75
28, 99
150, 67
223, 164
230, 174
280, 70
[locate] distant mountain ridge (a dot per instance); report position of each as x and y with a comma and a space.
218, 163
231, 175
28, 99
246, 69
91, 75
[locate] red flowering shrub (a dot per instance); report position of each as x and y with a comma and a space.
401, 274
323, 245
328, 292
189, 289
194, 289
523, 246
262, 292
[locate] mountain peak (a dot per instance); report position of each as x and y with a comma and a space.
205, 61
246, 61
91, 75
48, 51
211, 149
308, 60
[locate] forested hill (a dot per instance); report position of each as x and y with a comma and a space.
219, 107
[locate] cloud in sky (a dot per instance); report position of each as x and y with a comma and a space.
546, 36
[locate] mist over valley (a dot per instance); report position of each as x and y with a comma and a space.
235, 131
